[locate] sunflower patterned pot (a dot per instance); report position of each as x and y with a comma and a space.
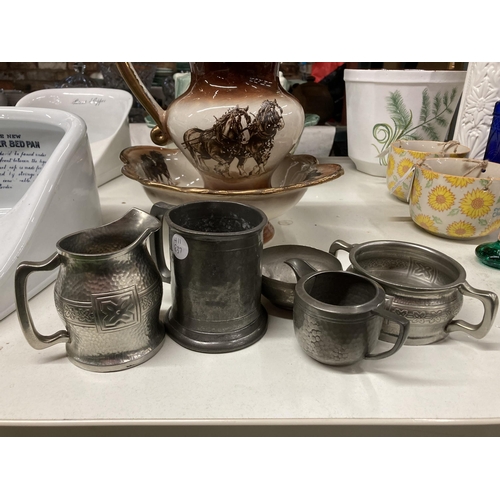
404, 154
456, 198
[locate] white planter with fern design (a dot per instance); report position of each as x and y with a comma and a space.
386, 105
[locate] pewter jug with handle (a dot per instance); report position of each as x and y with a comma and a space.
108, 293
215, 274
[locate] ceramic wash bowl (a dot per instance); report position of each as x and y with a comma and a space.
105, 112
167, 175
47, 190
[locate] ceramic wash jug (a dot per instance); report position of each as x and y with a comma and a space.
235, 122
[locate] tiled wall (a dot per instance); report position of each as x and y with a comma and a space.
30, 76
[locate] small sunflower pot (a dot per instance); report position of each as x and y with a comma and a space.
456, 198
403, 156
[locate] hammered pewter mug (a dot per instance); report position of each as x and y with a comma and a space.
425, 286
337, 316
108, 293
215, 274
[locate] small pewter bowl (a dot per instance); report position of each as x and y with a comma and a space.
279, 280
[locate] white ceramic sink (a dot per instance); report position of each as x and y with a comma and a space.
47, 190
105, 111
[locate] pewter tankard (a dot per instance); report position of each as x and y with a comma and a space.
215, 274
108, 293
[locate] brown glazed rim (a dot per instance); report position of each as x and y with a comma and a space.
330, 171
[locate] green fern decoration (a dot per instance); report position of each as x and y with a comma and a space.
402, 119
426, 103
397, 109
436, 109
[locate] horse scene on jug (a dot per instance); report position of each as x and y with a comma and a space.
237, 135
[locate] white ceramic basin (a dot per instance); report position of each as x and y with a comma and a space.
47, 190
105, 111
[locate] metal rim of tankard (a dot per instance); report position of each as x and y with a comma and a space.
256, 229
304, 299
358, 250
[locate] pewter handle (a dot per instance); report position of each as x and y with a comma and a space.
157, 253
404, 330
24, 269
300, 267
340, 245
490, 303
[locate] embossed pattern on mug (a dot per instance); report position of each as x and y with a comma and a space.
339, 348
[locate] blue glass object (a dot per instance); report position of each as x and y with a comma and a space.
492, 152
489, 253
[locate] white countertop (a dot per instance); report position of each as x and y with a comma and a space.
271, 382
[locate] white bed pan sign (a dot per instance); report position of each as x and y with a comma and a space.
47, 190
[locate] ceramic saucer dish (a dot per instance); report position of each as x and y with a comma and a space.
167, 175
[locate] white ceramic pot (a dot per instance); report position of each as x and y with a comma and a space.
386, 105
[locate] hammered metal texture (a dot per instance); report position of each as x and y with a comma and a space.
333, 342
108, 293
334, 320
422, 286
216, 280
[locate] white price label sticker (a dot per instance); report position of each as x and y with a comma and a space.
179, 246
